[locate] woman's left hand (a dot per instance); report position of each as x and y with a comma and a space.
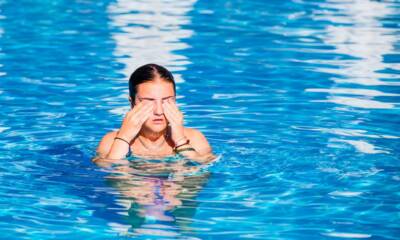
175, 119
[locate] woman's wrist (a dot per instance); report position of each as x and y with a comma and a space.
187, 142
123, 136
181, 141
122, 139
184, 147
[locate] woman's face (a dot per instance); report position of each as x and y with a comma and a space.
155, 91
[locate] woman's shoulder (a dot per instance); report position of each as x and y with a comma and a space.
106, 142
110, 135
192, 132
197, 139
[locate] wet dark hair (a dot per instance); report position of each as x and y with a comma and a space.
147, 73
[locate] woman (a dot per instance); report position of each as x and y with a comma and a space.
154, 125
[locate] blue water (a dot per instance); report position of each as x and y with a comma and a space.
299, 99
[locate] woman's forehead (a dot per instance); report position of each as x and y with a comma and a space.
156, 89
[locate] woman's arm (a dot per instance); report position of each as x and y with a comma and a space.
202, 150
102, 159
115, 145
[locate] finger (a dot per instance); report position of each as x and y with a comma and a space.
140, 105
175, 110
169, 107
171, 117
142, 108
177, 114
137, 118
174, 105
149, 113
145, 115
168, 114
135, 109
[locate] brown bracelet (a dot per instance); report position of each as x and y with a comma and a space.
122, 140
187, 142
185, 149
183, 138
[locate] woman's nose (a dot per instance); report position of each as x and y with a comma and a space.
158, 110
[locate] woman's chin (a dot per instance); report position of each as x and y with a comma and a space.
156, 127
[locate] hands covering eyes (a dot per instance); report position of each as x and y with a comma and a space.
154, 101
175, 119
172, 113
135, 118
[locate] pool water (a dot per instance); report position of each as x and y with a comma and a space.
300, 101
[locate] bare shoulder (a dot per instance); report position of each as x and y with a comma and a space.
105, 144
198, 140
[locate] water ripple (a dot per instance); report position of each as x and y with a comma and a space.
299, 99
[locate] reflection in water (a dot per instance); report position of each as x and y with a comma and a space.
159, 199
354, 91
1, 50
348, 132
149, 31
358, 33
361, 146
359, 103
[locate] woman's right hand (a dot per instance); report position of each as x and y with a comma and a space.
134, 120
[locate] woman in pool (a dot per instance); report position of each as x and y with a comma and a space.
154, 125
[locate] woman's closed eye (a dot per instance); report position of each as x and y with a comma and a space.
146, 99
172, 99
153, 100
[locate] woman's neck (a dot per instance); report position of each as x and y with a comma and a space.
151, 136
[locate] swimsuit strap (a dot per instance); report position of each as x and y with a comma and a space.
129, 152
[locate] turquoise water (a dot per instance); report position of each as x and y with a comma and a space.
299, 99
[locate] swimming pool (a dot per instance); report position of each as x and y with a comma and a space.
300, 99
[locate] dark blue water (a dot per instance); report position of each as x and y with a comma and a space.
299, 99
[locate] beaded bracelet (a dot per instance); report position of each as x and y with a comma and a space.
122, 140
177, 142
187, 142
185, 149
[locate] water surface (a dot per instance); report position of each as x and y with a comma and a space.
299, 99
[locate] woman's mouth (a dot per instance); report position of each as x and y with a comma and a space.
158, 121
